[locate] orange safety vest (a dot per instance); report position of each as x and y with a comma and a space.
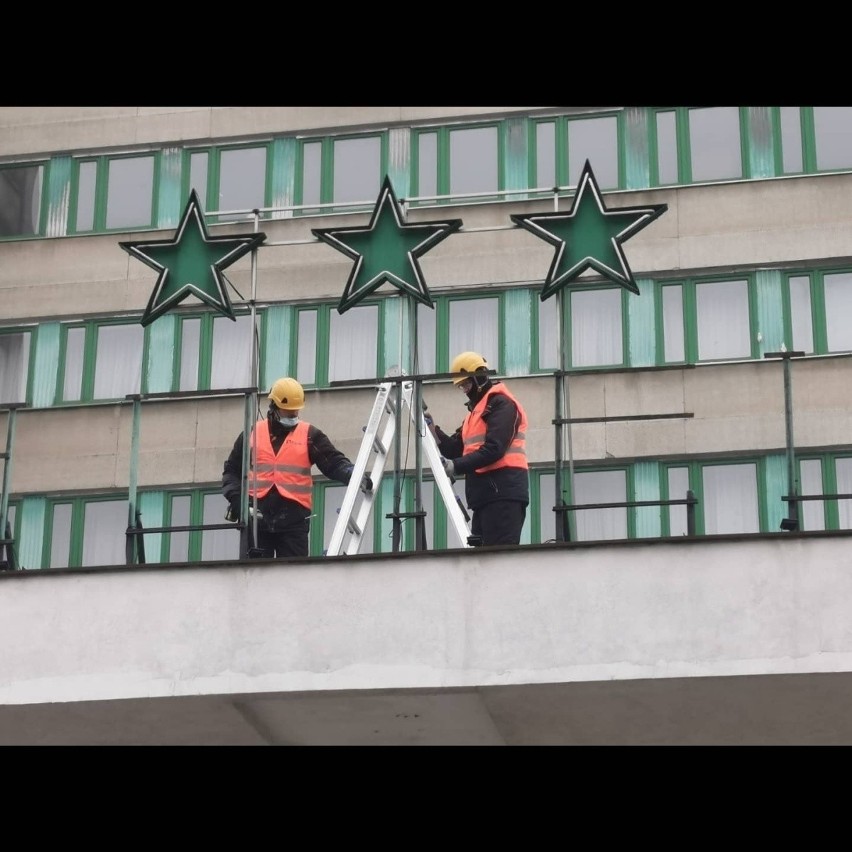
473, 434
289, 471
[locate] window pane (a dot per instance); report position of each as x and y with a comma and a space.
474, 327
20, 200
357, 169
843, 470
130, 192
118, 364
60, 537
800, 313
424, 360
673, 341
545, 155
190, 340
74, 349
811, 512
838, 309
311, 172
306, 359
714, 139
473, 160
179, 541
231, 361
198, 175
595, 140
548, 343
730, 499
600, 486
218, 544
14, 361
104, 533
833, 131
353, 348
242, 179
86, 196
427, 164
791, 139
596, 328
666, 147
678, 483
723, 320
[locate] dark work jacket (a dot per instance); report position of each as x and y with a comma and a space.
501, 422
321, 452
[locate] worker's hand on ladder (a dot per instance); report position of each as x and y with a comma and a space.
366, 483
449, 466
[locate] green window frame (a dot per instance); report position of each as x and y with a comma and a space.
816, 306
98, 190
204, 169
679, 321
313, 335
825, 473
318, 182
78, 360
432, 163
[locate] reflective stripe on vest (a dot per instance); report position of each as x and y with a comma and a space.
289, 471
473, 434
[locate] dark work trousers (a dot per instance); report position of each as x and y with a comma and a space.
499, 522
291, 540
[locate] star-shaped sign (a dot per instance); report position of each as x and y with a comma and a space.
589, 236
191, 264
386, 251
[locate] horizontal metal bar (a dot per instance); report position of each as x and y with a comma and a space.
191, 394
625, 504
146, 530
818, 497
622, 417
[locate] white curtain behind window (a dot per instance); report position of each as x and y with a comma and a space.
600, 486
723, 320
475, 327
730, 499
678, 481
811, 512
14, 358
104, 532
838, 309
843, 469
218, 544
118, 364
60, 536
232, 342
596, 337
352, 349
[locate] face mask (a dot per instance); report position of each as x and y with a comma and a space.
288, 421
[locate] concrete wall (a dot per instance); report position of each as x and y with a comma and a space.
717, 607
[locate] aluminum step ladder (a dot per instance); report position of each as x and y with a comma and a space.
357, 505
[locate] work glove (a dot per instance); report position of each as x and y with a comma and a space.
366, 483
233, 513
347, 472
449, 466
428, 419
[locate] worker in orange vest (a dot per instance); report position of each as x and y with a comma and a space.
283, 447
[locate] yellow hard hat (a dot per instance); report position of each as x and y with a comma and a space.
288, 394
467, 362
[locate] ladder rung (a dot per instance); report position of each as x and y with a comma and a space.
379, 447
353, 527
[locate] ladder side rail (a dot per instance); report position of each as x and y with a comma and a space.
442, 481
365, 507
341, 527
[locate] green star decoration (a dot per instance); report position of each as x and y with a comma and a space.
589, 236
191, 264
386, 251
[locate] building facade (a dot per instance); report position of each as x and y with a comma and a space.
681, 389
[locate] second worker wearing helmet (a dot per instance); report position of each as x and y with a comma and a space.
489, 449
283, 449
